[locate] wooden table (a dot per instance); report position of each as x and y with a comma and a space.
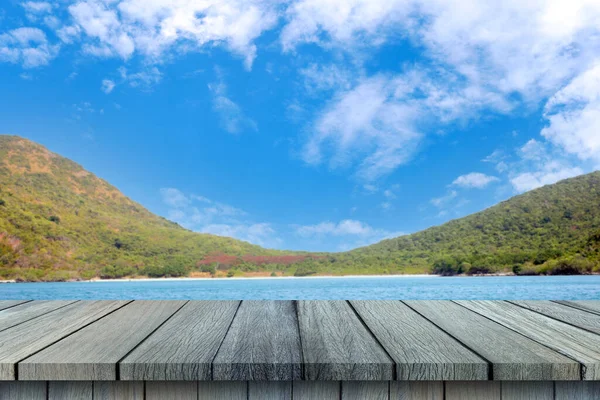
299, 350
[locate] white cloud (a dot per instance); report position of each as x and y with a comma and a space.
318, 78
174, 198
107, 86
573, 115
144, 79
37, 7
153, 28
343, 228
444, 200
233, 119
27, 46
551, 173
262, 234
474, 180
216, 218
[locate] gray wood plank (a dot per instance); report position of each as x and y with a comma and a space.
415, 390
161, 390
528, 390
222, 390
316, 390
473, 390
337, 346
67, 390
513, 356
577, 390
14, 390
420, 350
573, 342
93, 352
269, 390
27, 311
184, 347
579, 318
21, 341
592, 306
263, 343
4, 304
118, 390
365, 390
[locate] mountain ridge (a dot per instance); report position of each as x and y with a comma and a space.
61, 222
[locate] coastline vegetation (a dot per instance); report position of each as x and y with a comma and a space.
59, 222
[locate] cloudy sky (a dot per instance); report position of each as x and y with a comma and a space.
308, 124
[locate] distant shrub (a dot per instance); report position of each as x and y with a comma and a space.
478, 270
54, 218
569, 266
304, 270
211, 269
2, 202
273, 274
230, 274
447, 267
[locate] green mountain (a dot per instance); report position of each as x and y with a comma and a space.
60, 222
553, 229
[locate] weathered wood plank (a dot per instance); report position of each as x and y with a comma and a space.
274, 390
316, 390
222, 390
118, 390
592, 306
513, 356
473, 390
573, 342
23, 390
172, 390
4, 304
337, 346
25, 339
579, 318
67, 390
365, 390
263, 343
16, 315
420, 350
417, 390
184, 347
93, 352
528, 390
577, 390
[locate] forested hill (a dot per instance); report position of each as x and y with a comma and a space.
59, 221
553, 229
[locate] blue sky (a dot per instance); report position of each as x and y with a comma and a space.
308, 124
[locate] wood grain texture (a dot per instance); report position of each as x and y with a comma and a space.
577, 390
473, 390
528, 390
67, 390
513, 356
4, 304
573, 342
27, 311
269, 390
337, 346
579, 318
416, 390
592, 306
21, 341
160, 390
263, 343
23, 390
118, 390
184, 347
420, 350
369, 390
316, 390
222, 390
93, 352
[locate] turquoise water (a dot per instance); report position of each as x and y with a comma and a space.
368, 288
